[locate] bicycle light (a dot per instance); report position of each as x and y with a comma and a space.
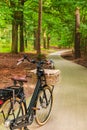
1, 102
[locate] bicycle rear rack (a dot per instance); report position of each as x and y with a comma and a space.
8, 93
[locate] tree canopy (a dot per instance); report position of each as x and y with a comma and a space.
58, 20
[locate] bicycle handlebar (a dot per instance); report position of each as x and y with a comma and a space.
22, 59
39, 63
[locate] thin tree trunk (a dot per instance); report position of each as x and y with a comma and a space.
44, 40
48, 41
21, 3
21, 34
14, 37
77, 34
35, 39
39, 28
25, 39
14, 47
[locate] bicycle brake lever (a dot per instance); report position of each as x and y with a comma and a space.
19, 62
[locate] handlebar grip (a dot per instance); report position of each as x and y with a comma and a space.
19, 62
22, 59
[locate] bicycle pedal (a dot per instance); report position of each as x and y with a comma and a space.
35, 108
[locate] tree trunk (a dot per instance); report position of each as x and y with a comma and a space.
14, 47
48, 41
21, 4
35, 39
77, 34
44, 40
21, 33
39, 28
17, 20
25, 39
14, 37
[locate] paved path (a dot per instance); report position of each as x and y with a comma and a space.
70, 98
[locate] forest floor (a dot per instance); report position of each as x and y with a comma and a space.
8, 67
69, 56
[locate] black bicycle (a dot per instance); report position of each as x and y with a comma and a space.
13, 102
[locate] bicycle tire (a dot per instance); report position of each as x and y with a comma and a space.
6, 108
43, 112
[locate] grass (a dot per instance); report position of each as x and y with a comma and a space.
6, 48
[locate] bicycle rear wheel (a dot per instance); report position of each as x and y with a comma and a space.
44, 105
13, 109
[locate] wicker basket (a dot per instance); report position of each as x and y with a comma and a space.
52, 76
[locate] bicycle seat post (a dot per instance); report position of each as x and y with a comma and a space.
14, 82
13, 98
21, 83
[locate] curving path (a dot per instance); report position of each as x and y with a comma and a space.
70, 98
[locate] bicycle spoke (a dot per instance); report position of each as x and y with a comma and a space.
44, 102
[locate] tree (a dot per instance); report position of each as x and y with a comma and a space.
39, 28
77, 34
16, 22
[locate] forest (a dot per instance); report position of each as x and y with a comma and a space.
40, 30
28, 25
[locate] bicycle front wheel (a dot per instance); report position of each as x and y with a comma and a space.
12, 109
44, 105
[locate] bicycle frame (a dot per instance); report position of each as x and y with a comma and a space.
24, 120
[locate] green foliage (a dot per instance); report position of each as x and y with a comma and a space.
58, 20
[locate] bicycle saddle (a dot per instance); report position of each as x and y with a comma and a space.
20, 79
